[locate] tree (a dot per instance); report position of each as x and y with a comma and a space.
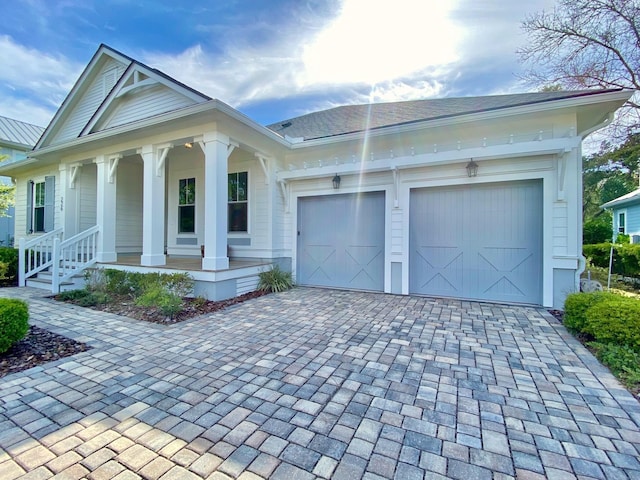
587, 44
6, 194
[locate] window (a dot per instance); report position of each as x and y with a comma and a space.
40, 199
238, 201
622, 222
187, 206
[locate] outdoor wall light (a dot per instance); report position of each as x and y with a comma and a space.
336, 182
472, 168
188, 145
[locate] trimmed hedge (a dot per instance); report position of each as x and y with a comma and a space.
14, 322
626, 257
615, 321
576, 306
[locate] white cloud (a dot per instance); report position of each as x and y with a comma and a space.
26, 111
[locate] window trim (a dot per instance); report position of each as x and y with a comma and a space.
229, 202
625, 217
48, 207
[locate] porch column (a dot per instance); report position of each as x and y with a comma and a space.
106, 206
69, 199
153, 216
216, 152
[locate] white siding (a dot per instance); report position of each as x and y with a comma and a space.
86, 197
560, 230
146, 103
396, 230
90, 101
22, 184
129, 207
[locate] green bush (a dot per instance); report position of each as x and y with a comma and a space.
169, 303
626, 257
275, 280
72, 295
14, 322
93, 298
9, 257
622, 360
576, 306
615, 321
597, 230
623, 238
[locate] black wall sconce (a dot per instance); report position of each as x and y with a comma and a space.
336, 182
472, 168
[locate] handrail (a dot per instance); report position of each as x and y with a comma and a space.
36, 254
73, 255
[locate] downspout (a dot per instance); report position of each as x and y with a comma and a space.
582, 261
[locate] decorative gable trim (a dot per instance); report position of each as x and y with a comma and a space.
85, 78
136, 78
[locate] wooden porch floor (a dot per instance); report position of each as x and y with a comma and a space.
193, 264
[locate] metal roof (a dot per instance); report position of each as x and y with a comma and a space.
358, 118
19, 133
631, 197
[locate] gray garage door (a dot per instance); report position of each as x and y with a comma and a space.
341, 241
479, 242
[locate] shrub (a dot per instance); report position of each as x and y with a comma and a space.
14, 322
623, 238
622, 360
169, 303
626, 257
275, 280
615, 320
72, 295
95, 280
93, 298
576, 305
9, 257
597, 230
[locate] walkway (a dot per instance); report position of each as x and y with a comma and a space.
318, 383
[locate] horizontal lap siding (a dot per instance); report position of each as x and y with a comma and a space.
129, 208
87, 194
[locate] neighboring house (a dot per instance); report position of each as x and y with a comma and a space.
476, 198
16, 139
626, 215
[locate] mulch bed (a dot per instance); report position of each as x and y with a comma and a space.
38, 347
193, 308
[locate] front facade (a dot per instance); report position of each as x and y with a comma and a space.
16, 139
381, 197
626, 215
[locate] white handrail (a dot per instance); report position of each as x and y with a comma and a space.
36, 254
73, 255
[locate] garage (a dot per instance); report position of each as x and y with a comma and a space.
341, 241
478, 242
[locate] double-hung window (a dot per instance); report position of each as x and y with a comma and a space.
187, 206
238, 191
622, 222
40, 202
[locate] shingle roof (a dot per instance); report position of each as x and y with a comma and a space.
17, 132
357, 118
631, 197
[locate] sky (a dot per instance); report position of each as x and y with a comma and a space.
270, 59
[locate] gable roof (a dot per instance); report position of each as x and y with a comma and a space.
359, 118
89, 74
19, 134
628, 199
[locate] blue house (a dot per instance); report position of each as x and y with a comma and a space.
626, 215
16, 139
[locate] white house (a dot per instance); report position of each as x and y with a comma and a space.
476, 198
16, 138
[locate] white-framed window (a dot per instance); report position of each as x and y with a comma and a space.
40, 203
187, 205
238, 205
622, 222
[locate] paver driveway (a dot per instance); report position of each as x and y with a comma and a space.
318, 383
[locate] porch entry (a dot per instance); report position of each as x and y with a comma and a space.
341, 241
479, 242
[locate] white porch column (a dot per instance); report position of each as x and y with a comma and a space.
216, 149
153, 216
68, 200
106, 207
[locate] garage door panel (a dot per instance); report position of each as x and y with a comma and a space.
497, 230
352, 227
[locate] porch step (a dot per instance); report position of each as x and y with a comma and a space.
43, 281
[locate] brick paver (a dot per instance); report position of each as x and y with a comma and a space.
315, 383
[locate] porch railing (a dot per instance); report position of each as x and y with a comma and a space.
36, 254
73, 255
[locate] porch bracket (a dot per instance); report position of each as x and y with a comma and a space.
562, 170
163, 151
284, 189
396, 187
113, 167
262, 159
231, 147
75, 170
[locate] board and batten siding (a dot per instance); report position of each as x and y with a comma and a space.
90, 101
146, 103
129, 207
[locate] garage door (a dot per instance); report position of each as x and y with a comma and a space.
341, 241
480, 242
